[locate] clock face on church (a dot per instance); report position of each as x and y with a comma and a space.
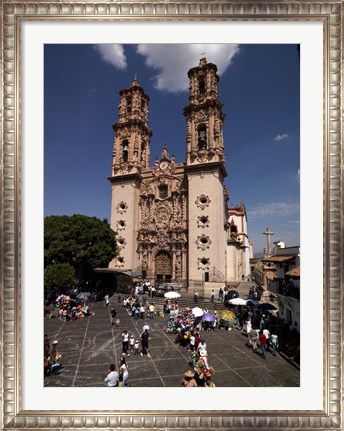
163, 165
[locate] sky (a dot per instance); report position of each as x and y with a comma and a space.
260, 91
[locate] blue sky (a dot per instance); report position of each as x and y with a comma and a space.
260, 91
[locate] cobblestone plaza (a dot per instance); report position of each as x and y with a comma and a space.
90, 345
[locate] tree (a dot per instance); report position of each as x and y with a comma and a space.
60, 277
83, 242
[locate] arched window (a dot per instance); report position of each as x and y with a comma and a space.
128, 104
201, 85
143, 151
202, 137
163, 191
125, 150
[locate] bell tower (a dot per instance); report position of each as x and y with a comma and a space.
131, 153
205, 171
204, 116
130, 158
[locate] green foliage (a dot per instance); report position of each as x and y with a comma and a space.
60, 277
83, 242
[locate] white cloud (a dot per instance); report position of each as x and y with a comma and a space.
172, 61
113, 54
275, 209
281, 137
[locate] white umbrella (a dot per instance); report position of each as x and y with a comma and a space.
172, 295
197, 312
237, 301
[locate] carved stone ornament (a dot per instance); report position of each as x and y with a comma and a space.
202, 201
121, 207
203, 242
162, 217
119, 262
203, 263
203, 221
121, 224
121, 242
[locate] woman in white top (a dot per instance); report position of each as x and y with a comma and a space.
123, 371
112, 378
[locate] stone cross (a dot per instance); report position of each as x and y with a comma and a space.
268, 233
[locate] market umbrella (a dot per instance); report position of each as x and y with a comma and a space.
237, 301
172, 295
227, 315
251, 303
266, 306
197, 312
208, 317
232, 294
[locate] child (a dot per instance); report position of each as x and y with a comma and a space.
132, 343
120, 381
136, 347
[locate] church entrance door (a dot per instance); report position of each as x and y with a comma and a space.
163, 267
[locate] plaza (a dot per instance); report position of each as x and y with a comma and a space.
89, 345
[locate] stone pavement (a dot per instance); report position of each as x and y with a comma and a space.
89, 346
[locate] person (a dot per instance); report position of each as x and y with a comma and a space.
253, 337
151, 311
196, 294
125, 343
221, 294
202, 345
54, 358
209, 383
142, 311
132, 343
106, 300
112, 378
262, 340
262, 323
144, 343
266, 332
113, 317
136, 347
51, 310
120, 381
123, 371
189, 380
212, 296
192, 342
274, 343
201, 367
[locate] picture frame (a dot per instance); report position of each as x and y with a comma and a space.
14, 14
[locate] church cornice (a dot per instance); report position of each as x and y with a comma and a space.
132, 122
209, 103
206, 167
122, 178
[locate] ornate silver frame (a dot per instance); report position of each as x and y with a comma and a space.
330, 13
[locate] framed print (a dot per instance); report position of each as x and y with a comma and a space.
35, 40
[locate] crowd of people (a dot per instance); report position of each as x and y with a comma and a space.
259, 328
66, 308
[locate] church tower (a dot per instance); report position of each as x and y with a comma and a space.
205, 170
132, 135
204, 116
130, 157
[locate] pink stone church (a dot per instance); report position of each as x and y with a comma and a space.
172, 219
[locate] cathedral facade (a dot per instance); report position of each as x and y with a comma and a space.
172, 219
